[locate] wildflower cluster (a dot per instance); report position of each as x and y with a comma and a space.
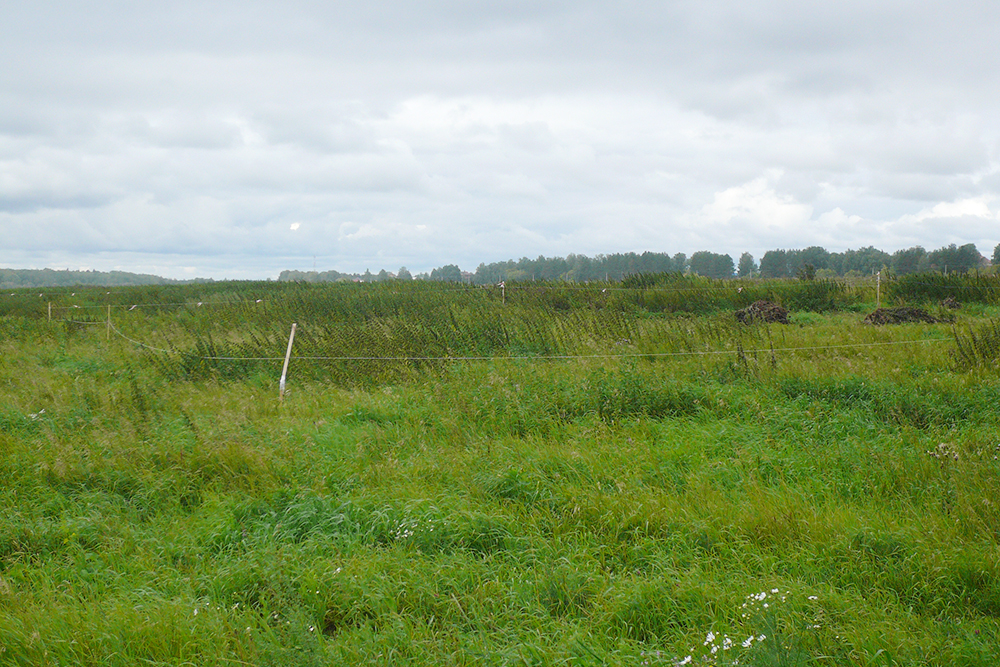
943, 452
711, 652
758, 602
759, 620
407, 528
403, 531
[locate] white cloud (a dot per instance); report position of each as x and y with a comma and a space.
976, 207
758, 205
837, 219
189, 135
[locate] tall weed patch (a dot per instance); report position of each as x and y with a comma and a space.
546, 474
977, 346
614, 396
882, 400
669, 293
929, 287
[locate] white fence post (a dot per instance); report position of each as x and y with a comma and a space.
284, 369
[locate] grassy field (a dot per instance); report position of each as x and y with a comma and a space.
584, 475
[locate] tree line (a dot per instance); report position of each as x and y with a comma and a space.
818, 262
13, 278
807, 263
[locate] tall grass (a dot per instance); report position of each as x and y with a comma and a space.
620, 504
357, 334
931, 287
977, 346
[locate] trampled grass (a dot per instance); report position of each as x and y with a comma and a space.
598, 484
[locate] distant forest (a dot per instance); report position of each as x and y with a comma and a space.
808, 263
12, 278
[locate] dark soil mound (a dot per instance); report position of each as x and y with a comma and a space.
765, 311
900, 315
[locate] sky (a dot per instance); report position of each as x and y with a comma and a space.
239, 139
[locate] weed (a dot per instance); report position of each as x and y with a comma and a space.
977, 347
575, 476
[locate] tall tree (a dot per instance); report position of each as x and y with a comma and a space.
680, 263
955, 259
865, 261
712, 265
449, 273
774, 264
746, 266
815, 256
907, 261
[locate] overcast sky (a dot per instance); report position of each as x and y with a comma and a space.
238, 139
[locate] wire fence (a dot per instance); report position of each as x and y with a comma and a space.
607, 286
670, 292
387, 330
532, 357
369, 336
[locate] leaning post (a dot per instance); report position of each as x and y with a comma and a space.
284, 369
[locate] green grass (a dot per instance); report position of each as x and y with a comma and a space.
616, 504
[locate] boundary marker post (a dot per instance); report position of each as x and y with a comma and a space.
284, 369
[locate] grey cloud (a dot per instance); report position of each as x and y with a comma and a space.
170, 129
446, 131
47, 200
318, 131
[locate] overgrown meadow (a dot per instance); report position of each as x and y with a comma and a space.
547, 473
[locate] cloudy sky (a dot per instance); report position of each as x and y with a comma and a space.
237, 139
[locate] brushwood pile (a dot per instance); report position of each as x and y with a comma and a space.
899, 315
762, 311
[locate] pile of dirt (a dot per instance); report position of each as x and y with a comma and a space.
951, 302
900, 315
763, 310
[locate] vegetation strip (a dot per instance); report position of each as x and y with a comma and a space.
837, 503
